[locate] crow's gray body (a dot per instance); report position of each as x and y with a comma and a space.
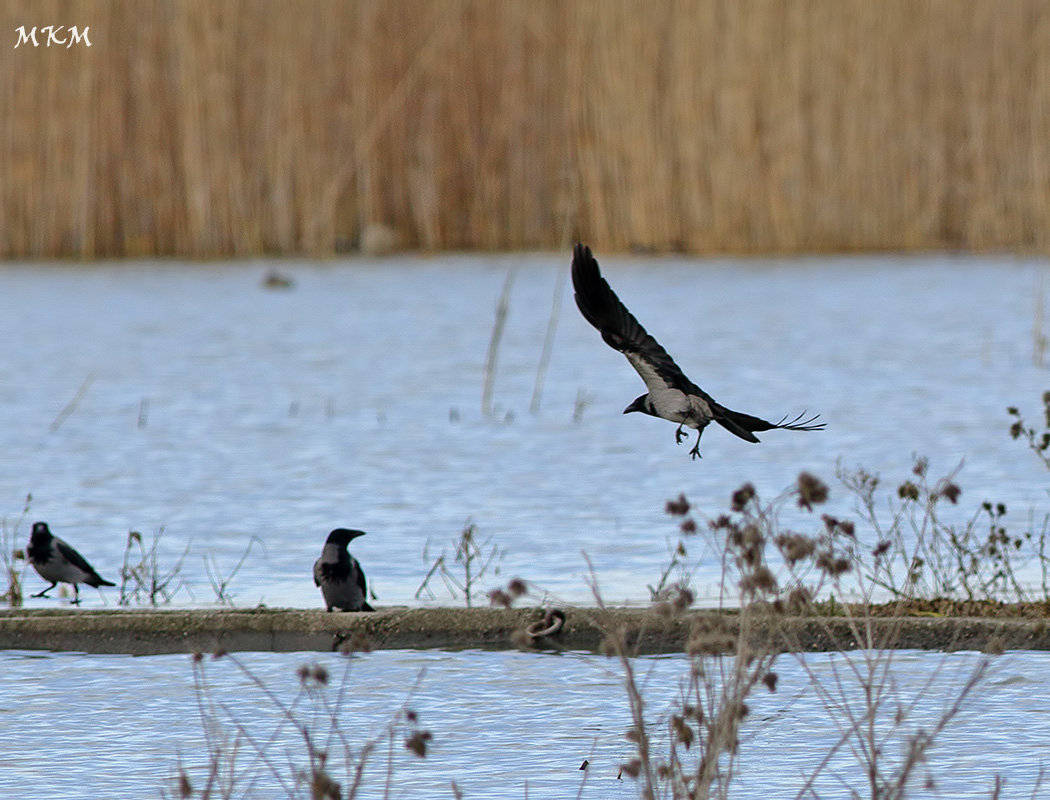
339, 575
56, 561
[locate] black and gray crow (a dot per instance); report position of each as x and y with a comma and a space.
340, 577
59, 563
671, 394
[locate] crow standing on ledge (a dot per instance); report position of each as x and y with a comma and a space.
340, 577
59, 563
671, 394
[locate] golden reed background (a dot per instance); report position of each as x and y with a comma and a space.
241, 127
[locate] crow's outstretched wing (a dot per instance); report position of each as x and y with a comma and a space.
621, 331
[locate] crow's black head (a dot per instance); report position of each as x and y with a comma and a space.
343, 536
639, 404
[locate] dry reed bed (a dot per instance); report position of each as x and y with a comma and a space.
241, 127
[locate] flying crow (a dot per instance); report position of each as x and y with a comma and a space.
59, 563
340, 577
671, 394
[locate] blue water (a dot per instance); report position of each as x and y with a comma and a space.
504, 724
218, 411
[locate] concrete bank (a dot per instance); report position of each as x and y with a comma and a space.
147, 632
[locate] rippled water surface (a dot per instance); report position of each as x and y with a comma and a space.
221, 411
504, 724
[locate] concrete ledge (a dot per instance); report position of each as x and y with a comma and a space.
148, 632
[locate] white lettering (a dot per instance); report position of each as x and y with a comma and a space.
51, 37
23, 38
76, 36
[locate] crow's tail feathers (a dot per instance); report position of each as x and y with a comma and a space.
744, 425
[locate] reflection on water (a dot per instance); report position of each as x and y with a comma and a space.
219, 411
505, 724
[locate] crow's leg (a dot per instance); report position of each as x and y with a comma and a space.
76, 595
695, 452
44, 593
680, 434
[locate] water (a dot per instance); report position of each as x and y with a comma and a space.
221, 411
505, 724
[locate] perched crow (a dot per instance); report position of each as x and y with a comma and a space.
59, 563
671, 394
340, 577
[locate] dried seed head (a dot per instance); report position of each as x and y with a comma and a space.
881, 548
770, 680
799, 598
185, 787
683, 599
417, 742
322, 787
632, 768
498, 597
517, 587
303, 672
721, 522
219, 652
952, 492
320, 675
663, 609
908, 491
198, 657
832, 565
677, 508
834, 523
920, 466
411, 716
752, 536
682, 731
742, 496
760, 581
795, 547
688, 526
811, 491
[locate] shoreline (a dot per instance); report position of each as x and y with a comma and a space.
646, 632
